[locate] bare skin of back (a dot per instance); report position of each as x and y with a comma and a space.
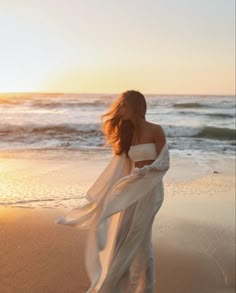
150, 133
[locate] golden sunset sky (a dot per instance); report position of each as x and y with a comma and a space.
101, 46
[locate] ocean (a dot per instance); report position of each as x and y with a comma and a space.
192, 124
62, 136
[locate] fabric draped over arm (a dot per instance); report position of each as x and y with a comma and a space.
119, 191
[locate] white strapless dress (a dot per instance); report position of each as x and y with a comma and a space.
119, 213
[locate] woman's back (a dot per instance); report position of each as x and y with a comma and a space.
142, 152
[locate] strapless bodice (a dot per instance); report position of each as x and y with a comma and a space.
142, 152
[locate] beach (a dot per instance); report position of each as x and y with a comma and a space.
83, 80
193, 232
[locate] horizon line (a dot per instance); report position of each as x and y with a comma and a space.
117, 93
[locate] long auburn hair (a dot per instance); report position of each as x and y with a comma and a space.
119, 132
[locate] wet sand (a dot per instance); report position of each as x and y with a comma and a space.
193, 235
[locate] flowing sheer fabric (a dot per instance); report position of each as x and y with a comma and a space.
119, 213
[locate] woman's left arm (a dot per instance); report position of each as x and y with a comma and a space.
162, 160
159, 138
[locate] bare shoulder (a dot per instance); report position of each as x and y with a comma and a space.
155, 128
158, 133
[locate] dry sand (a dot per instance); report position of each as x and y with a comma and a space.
193, 238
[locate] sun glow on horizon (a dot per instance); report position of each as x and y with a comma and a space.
84, 47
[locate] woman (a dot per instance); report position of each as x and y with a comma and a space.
123, 201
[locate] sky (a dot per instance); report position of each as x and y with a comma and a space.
108, 46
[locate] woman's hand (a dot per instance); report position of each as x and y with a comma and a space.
141, 171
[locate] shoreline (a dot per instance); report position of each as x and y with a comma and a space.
60, 180
193, 232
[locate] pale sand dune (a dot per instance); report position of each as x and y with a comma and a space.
193, 238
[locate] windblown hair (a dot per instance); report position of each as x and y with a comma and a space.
119, 132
